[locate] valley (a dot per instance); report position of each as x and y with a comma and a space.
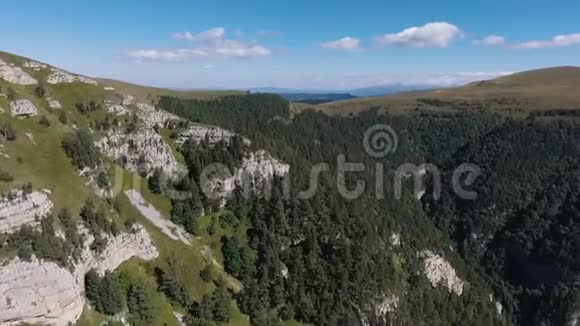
109, 216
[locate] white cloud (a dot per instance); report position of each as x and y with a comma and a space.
212, 34
438, 35
340, 82
556, 41
567, 40
432, 80
238, 49
491, 40
167, 55
211, 43
345, 44
531, 45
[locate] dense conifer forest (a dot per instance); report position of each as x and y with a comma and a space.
518, 238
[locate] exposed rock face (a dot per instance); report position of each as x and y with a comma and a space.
15, 75
53, 104
23, 108
180, 318
396, 239
39, 292
128, 100
152, 117
257, 171
173, 231
45, 293
145, 150
388, 304
440, 272
142, 151
260, 166
18, 209
2, 154
498, 305
109, 88
117, 109
58, 76
574, 319
36, 66
198, 133
119, 249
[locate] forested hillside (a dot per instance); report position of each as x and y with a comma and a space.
106, 206
517, 239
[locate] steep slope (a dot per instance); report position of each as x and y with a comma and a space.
72, 146
152, 208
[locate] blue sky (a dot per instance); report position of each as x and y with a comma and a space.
301, 44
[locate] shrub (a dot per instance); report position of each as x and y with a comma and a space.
39, 91
63, 118
89, 107
79, 147
44, 121
103, 180
6, 177
7, 131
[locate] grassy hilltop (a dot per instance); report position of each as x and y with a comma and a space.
543, 89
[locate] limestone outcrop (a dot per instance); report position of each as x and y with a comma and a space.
58, 76
23, 108
395, 239
45, 293
199, 132
388, 304
137, 243
254, 175
36, 66
128, 100
18, 209
440, 272
15, 75
53, 103
151, 116
39, 292
117, 109
142, 151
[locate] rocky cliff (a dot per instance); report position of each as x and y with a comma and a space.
441, 273
43, 292
18, 208
142, 151
255, 175
23, 108
13, 74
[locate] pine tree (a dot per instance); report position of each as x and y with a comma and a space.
154, 181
